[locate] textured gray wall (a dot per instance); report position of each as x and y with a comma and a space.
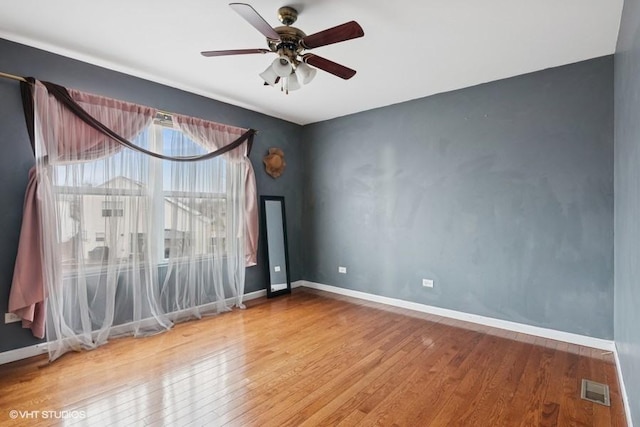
16, 156
627, 203
502, 193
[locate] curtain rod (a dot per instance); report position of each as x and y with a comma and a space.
13, 77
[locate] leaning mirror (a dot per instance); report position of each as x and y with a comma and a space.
275, 239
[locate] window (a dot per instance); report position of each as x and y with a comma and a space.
151, 207
138, 246
112, 208
189, 201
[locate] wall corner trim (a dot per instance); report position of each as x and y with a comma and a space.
623, 389
569, 337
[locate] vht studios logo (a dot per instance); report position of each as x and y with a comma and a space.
60, 415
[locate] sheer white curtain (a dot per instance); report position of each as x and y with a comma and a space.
131, 243
241, 203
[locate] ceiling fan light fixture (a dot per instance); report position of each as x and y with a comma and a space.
292, 82
290, 69
305, 73
269, 76
282, 66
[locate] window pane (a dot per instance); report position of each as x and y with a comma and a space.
190, 176
100, 205
194, 199
194, 225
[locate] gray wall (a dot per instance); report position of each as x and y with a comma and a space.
627, 203
16, 158
502, 193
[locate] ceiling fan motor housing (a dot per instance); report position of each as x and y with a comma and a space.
289, 44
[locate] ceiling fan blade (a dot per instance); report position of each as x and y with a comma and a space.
254, 18
347, 31
329, 66
233, 52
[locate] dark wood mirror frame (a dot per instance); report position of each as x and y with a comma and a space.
274, 238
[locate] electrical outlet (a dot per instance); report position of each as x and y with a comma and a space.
342, 269
427, 283
11, 318
276, 268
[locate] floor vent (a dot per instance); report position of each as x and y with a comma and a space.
595, 392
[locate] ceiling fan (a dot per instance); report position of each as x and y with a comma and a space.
290, 69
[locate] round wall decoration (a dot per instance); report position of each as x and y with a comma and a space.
274, 162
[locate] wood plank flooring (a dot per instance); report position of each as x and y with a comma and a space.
315, 359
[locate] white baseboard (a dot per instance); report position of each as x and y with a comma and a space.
41, 348
623, 389
473, 318
254, 295
23, 353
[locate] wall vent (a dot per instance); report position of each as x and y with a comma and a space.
595, 392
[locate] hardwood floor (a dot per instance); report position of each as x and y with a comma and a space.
315, 359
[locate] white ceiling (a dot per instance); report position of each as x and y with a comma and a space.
410, 50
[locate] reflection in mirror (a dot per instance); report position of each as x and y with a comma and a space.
275, 236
